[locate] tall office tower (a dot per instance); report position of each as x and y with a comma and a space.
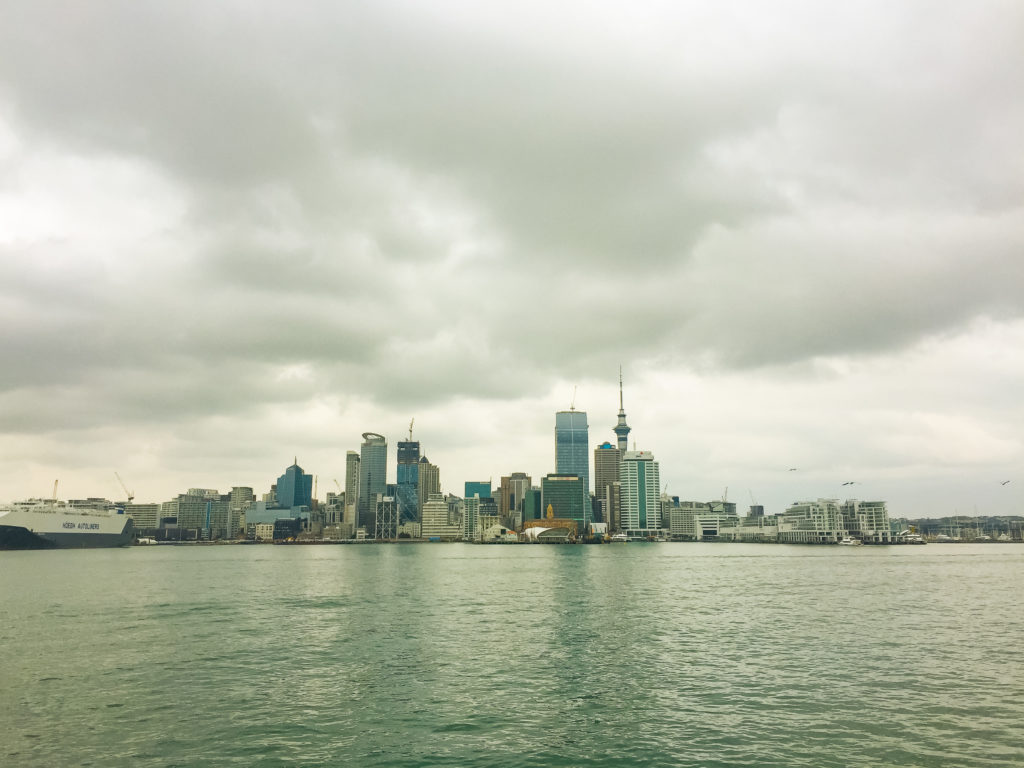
640, 505
471, 518
430, 481
606, 473
407, 488
511, 498
481, 489
294, 488
373, 467
572, 450
621, 428
532, 505
351, 488
566, 495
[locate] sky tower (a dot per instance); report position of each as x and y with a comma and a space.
621, 429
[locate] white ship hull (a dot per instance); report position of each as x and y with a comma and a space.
34, 525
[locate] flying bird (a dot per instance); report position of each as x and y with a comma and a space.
850, 482
1004, 482
792, 469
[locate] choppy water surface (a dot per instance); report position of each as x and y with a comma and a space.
461, 655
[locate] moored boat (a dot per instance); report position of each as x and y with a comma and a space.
46, 524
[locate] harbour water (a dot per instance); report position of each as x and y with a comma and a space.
462, 655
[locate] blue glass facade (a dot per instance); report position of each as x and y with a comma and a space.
483, 490
373, 465
407, 490
294, 488
572, 446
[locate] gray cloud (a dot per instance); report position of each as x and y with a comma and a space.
216, 213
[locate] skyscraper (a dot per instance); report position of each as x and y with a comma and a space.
430, 481
408, 480
641, 493
606, 473
351, 488
294, 488
566, 495
373, 466
621, 429
511, 498
572, 450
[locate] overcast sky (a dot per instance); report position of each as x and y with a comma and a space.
233, 234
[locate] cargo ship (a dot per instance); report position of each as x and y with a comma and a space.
49, 524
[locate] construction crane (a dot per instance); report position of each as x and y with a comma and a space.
127, 493
411, 422
339, 485
572, 403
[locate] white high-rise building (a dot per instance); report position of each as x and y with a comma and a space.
351, 487
436, 519
812, 522
640, 494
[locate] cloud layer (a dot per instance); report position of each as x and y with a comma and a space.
234, 234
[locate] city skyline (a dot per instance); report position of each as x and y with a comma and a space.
234, 236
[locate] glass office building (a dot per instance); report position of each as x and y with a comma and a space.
373, 467
572, 449
408, 481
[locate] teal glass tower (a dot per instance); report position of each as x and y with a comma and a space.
294, 487
572, 449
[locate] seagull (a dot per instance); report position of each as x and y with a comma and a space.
792, 469
850, 482
1004, 482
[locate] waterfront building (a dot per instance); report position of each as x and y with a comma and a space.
701, 520
867, 521
204, 510
606, 475
478, 488
640, 478
294, 488
549, 529
812, 522
755, 527
471, 518
334, 509
241, 498
145, 516
430, 481
566, 498
511, 498
437, 520
533, 508
351, 487
407, 487
386, 519
410, 529
621, 429
263, 531
572, 451
373, 465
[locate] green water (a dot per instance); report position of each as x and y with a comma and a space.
461, 655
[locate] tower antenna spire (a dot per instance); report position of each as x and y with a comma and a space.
620, 389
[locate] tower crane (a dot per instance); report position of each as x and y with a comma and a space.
411, 422
127, 493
